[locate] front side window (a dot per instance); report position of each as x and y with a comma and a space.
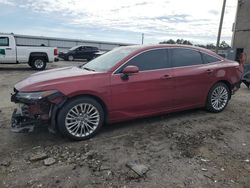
73, 48
4, 41
80, 48
150, 60
185, 57
209, 59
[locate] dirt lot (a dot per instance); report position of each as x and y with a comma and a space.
187, 149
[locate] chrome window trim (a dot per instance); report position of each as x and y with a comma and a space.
167, 48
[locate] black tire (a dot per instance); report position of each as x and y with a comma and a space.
65, 110
38, 63
222, 105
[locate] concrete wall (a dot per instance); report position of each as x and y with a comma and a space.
241, 38
63, 44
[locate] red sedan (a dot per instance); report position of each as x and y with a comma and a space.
125, 83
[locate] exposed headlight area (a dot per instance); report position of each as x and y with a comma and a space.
34, 97
33, 108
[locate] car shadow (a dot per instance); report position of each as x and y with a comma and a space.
149, 120
41, 135
110, 131
28, 69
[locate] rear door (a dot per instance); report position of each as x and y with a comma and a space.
146, 92
192, 79
7, 50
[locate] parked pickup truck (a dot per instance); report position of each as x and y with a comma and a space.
36, 57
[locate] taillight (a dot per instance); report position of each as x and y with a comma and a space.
55, 51
243, 58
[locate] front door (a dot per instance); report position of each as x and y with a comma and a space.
149, 91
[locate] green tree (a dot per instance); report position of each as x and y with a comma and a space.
170, 41
224, 45
178, 41
186, 42
210, 46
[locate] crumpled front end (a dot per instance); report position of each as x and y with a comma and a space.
34, 109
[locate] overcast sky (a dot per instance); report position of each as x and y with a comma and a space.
119, 20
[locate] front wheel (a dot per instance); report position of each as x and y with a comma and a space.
80, 118
38, 63
218, 98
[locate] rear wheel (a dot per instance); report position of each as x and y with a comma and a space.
70, 58
218, 97
80, 118
38, 63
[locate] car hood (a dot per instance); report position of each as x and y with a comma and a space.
38, 80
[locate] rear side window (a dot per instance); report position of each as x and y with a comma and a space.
185, 57
150, 60
4, 41
209, 59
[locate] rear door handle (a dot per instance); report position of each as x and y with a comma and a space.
8, 48
166, 76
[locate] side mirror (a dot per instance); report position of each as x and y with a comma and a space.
129, 70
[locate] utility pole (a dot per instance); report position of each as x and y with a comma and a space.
220, 26
142, 38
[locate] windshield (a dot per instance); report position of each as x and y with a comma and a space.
109, 59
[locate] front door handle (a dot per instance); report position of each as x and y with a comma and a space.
8, 48
167, 76
209, 71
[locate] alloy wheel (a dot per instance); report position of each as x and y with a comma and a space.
219, 98
82, 120
39, 63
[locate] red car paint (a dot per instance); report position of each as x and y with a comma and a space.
144, 93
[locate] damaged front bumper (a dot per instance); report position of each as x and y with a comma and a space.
21, 123
34, 109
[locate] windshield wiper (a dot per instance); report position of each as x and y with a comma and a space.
88, 69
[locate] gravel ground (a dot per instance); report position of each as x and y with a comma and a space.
187, 149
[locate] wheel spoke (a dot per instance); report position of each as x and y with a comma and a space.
92, 121
71, 118
78, 126
75, 127
71, 123
81, 130
87, 125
